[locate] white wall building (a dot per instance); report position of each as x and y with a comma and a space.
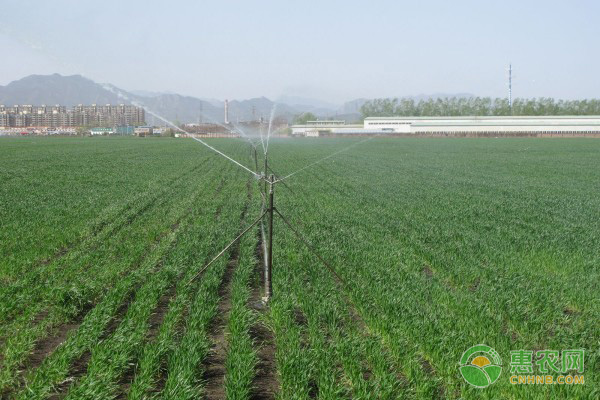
319, 128
459, 126
143, 131
484, 125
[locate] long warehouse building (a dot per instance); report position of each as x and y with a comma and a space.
484, 125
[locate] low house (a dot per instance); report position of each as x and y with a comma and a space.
143, 131
101, 131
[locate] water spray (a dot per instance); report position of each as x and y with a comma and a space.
270, 210
138, 104
273, 109
323, 159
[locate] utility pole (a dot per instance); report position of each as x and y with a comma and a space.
510, 87
269, 265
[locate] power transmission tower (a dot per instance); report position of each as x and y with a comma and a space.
510, 88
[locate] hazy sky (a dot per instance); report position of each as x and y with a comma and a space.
329, 50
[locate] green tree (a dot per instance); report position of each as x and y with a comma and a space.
302, 119
477, 106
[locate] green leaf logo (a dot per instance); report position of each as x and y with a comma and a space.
480, 366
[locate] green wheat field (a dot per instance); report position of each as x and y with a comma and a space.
437, 245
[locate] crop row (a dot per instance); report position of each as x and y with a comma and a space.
73, 291
440, 253
108, 287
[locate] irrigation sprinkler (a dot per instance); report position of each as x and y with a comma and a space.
270, 210
269, 181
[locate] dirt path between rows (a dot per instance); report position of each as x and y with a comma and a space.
265, 384
214, 364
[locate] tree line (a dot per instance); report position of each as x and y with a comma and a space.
477, 106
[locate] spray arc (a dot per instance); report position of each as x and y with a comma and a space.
267, 194
267, 183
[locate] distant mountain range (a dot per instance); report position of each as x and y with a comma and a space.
55, 89
76, 89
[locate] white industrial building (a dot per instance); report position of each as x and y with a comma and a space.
320, 128
456, 126
484, 125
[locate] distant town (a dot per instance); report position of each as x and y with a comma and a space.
110, 119
81, 115
60, 119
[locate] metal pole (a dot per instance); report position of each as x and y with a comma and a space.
510, 88
269, 267
256, 160
265, 175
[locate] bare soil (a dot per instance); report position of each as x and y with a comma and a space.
265, 384
214, 364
